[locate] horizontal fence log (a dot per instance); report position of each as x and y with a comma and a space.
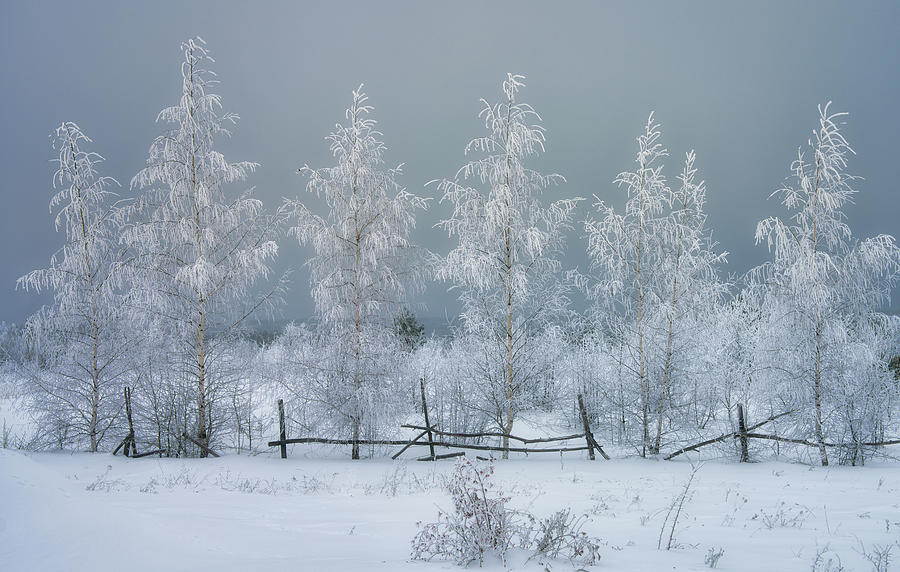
439, 457
422, 444
324, 441
510, 449
495, 434
147, 454
812, 444
874, 444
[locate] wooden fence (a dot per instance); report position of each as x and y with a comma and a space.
744, 434
427, 433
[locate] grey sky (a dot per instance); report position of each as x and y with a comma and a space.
738, 82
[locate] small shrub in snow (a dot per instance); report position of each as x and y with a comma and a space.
561, 536
240, 484
736, 502
150, 487
310, 484
783, 516
101, 483
399, 481
481, 524
713, 555
827, 561
878, 555
674, 511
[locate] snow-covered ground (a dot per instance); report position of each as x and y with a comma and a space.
319, 511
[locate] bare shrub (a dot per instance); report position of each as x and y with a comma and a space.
827, 561
713, 555
878, 555
783, 516
675, 509
481, 524
561, 535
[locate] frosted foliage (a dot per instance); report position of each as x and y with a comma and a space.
621, 245
627, 253
78, 272
654, 283
479, 525
815, 258
823, 284
507, 215
505, 264
197, 253
684, 319
692, 265
79, 332
363, 268
364, 263
315, 367
206, 249
454, 391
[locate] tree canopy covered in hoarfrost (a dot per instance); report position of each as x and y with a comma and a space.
196, 253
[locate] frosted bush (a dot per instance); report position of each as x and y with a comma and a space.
481, 524
560, 535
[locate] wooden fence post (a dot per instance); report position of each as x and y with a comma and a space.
587, 428
427, 422
742, 434
281, 428
130, 438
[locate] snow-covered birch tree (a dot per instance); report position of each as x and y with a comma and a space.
823, 278
505, 264
689, 276
197, 254
79, 333
364, 264
625, 251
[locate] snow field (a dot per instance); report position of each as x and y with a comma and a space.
96, 512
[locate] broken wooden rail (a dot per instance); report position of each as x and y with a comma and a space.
493, 434
739, 434
327, 441
430, 431
199, 444
439, 457
473, 446
590, 443
745, 433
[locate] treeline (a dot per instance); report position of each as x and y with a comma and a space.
155, 293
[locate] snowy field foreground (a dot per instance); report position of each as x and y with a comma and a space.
98, 512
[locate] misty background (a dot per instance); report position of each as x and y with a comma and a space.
739, 83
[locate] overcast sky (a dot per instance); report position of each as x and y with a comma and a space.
738, 82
